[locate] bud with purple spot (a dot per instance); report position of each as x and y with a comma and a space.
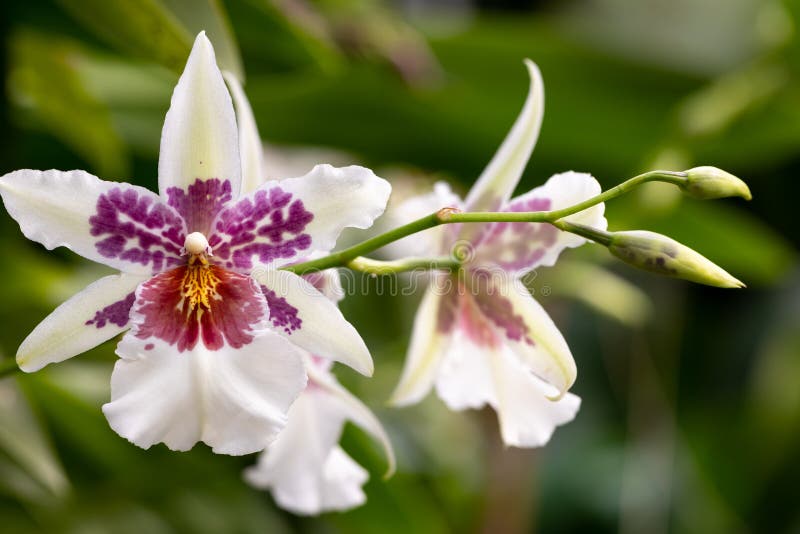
661, 255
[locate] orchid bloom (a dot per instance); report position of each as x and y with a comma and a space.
210, 352
479, 336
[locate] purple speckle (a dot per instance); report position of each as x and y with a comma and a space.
266, 225
517, 246
149, 346
497, 308
137, 228
200, 202
116, 313
447, 313
281, 313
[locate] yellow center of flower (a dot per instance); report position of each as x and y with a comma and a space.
199, 286
199, 283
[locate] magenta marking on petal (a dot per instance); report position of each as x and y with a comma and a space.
446, 314
117, 313
498, 309
281, 313
149, 346
267, 225
133, 228
199, 303
200, 202
518, 246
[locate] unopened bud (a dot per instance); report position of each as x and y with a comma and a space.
710, 182
661, 255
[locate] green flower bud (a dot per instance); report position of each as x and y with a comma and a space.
661, 255
709, 183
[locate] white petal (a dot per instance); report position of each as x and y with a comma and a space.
465, 378
430, 242
527, 415
295, 467
199, 140
89, 318
498, 180
250, 147
233, 400
472, 377
120, 225
311, 321
355, 411
424, 353
339, 198
520, 247
545, 352
569, 188
346, 479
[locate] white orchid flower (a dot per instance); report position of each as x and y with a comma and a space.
479, 336
206, 356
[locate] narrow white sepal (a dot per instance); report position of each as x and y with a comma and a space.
357, 412
200, 138
250, 147
65, 332
324, 331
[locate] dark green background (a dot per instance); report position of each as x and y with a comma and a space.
691, 403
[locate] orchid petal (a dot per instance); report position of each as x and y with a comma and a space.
529, 332
428, 341
250, 148
497, 182
204, 306
311, 321
520, 247
234, 400
527, 415
89, 318
465, 377
199, 140
472, 376
338, 198
356, 411
120, 225
304, 468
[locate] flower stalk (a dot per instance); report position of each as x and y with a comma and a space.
377, 267
453, 216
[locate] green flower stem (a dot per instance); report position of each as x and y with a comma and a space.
345, 256
8, 367
368, 265
592, 234
452, 216
672, 177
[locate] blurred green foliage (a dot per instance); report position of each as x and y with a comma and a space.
691, 405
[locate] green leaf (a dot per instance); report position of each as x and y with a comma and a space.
25, 444
144, 28
48, 90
